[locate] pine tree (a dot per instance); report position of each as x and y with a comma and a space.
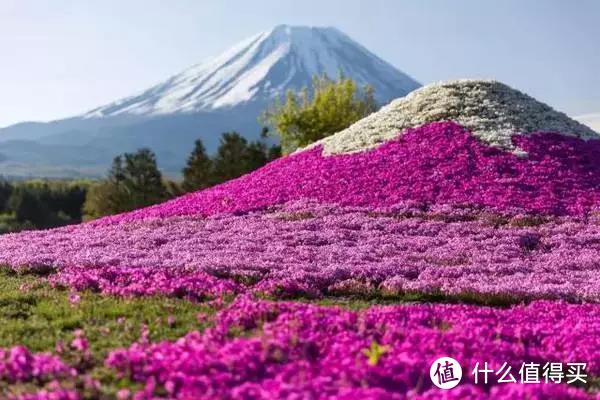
231, 159
143, 180
134, 181
256, 156
198, 173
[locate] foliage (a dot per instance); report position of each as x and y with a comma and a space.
173, 188
6, 190
138, 176
27, 205
328, 107
199, 169
103, 198
134, 181
375, 352
40, 204
235, 157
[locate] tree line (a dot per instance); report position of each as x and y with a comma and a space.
40, 204
134, 179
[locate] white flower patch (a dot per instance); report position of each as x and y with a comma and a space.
491, 110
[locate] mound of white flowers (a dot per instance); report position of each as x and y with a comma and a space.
491, 110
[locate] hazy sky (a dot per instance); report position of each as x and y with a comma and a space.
59, 58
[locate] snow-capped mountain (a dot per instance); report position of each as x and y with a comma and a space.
263, 67
225, 93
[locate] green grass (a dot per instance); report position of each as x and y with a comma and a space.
34, 314
38, 316
354, 300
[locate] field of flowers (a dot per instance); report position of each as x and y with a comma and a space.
294, 350
430, 245
312, 251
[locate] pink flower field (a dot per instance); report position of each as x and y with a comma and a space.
293, 350
304, 351
312, 250
346, 276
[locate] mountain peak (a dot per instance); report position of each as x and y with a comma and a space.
293, 29
262, 67
300, 32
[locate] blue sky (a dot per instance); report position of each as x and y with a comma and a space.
63, 57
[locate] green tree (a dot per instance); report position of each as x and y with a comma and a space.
41, 203
273, 152
26, 206
71, 199
134, 181
104, 198
140, 177
309, 115
231, 159
236, 157
257, 155
174, 189
198, 172
6, 190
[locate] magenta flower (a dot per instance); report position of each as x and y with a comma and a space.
80, 342
305, 351
74, 299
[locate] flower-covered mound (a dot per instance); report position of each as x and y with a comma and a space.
438, 163
299, 351
307, 249
491, 110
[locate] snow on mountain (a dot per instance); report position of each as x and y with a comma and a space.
263, 67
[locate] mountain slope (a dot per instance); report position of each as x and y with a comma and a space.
222, 94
